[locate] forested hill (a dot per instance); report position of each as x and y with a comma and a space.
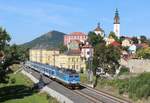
52, 39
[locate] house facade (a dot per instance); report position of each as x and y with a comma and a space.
80, 36
69, 60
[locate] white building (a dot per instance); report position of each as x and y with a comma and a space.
132, 49
86, 51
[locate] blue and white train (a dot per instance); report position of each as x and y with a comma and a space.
68, 77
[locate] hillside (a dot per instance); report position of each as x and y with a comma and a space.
52, 39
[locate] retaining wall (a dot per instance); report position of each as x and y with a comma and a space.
137, 65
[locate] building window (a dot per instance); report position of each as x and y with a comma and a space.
72, 59
77, 59
76, 66
72, 66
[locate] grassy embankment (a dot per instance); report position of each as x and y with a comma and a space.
18, 90
136, 88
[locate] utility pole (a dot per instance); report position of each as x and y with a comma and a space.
54, 57
90, 59
74, 63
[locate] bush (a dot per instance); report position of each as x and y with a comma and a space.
137, 87
124, 70
13, 80
81, 70
144, 53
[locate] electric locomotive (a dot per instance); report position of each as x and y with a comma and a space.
67, 77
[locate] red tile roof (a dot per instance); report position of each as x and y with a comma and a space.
77, 41
115, 44
129, 38
77, 34
74, 52
126, 37
143, 45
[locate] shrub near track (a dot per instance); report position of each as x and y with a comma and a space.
137, 87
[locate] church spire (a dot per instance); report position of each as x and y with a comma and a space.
116, 18
117, 23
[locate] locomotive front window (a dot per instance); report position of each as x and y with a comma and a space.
76, 76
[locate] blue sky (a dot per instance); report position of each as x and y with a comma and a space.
28, 19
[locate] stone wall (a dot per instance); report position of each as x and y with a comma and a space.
137, 65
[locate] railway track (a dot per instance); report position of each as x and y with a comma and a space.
96, 96
92, 99
99, 96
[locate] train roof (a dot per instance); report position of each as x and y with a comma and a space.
69, 71
64, 70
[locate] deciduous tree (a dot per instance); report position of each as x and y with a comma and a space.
95, 39
11, 54
143, 39
107, 57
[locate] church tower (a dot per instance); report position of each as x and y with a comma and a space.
99, 30
117, 24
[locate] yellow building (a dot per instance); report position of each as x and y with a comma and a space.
41, 55
70, 61
126, 43
38, 55
53, 57
110, 40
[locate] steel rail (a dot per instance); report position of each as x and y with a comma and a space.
91, 98
107, 95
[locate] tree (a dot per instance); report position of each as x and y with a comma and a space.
135, 40
143, 39
12, 54
144, 53
107, 57
112, 34
95, 39
62, 48
4, 39
148, 42
122, 38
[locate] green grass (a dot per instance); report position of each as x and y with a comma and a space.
35, 98
24, 94
84, 79
19, 78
